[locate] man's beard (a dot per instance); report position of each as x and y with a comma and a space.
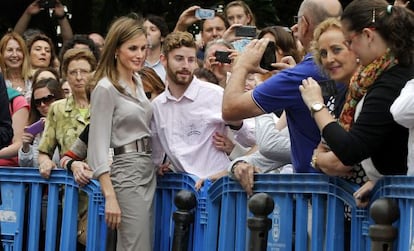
179, 80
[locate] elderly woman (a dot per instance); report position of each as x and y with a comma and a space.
67, 118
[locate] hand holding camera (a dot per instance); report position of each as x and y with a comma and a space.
204, 13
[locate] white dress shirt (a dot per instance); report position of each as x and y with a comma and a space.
183, 129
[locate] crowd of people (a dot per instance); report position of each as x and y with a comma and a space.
337, 98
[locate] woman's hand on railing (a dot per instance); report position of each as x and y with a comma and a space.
45, 166
82, 173
362, 194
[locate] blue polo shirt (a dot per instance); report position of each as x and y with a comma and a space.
281, 91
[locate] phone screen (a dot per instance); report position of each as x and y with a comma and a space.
204, 14
245, 31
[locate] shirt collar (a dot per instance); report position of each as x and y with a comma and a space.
190, 93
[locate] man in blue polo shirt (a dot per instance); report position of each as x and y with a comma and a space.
280, 91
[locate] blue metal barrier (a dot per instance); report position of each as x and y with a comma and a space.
20, 212
308, 214
401, 189
167, 187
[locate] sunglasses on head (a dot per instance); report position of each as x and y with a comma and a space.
45, 100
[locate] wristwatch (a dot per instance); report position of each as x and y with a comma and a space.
316, 107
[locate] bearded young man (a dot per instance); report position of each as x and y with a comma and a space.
188, 114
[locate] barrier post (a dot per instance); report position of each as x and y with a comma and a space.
261, 205
384, 212
185, 201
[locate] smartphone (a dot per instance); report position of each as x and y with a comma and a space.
36, 127
245, 31
223, 56
204, 13
269, 57
47, 4
328, 88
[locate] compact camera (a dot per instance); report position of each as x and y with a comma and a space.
47, 4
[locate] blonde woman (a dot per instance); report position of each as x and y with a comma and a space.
15, 64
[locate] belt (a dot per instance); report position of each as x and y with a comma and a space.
142, 145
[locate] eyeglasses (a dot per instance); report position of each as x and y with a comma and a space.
348, 42
45, 100
296, 19
82, 72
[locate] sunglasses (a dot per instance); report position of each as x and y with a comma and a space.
45, 100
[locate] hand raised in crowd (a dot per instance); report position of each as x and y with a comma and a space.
230, 34
59, 9
244, 173
223, 143
186, 18
45, 167
250, 58
34, 8
81, 172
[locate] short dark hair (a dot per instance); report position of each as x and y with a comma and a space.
80, 39
160, 23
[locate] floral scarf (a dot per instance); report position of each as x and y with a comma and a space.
360, 82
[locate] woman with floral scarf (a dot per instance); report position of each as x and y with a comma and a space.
366, 132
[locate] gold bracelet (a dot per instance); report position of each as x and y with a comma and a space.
314, 163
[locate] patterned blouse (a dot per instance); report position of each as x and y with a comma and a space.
63, 125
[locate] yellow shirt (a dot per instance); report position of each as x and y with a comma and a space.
63, 125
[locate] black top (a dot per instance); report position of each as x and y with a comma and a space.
375, 134
6, 130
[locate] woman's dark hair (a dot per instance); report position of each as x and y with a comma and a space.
49, 69
207, 75
54, 87
43, 37
80, 39
284, 40
394, 24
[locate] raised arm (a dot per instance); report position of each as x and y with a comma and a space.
186, 19
60, 15
238, 104
24, 20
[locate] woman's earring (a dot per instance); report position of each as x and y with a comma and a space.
358, 60
116, 57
